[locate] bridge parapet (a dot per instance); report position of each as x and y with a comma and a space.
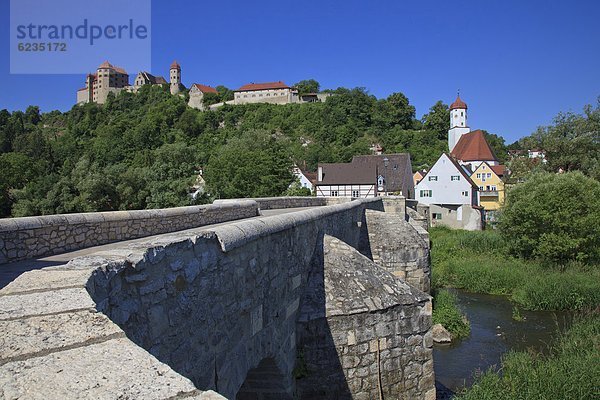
29, 237
197, 310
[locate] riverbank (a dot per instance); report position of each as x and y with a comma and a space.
570, 371
479, 262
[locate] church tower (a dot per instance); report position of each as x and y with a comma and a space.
175, 77
458, 122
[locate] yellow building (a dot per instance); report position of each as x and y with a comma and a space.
491, 188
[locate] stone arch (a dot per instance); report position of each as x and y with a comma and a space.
265, 382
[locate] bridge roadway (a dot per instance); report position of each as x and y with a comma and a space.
11, 271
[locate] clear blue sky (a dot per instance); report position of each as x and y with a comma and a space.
517, 63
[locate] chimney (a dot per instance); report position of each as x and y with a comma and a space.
320, 174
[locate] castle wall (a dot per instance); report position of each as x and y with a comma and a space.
196, 98
273, 96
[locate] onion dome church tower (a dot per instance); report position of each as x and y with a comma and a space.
175, 77
458, 122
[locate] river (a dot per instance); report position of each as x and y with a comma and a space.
493, 333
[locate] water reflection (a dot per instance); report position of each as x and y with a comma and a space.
493, 333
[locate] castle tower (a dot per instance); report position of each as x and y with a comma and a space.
89, 84
175, 77
458, 122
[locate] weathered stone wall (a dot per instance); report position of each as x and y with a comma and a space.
214, 306
362, 332
271, 203
219, 307
54, 344
399, 247
28, 237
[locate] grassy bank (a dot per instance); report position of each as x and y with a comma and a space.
570, 371
479, 262
446, 312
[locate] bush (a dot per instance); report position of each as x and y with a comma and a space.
554, 217
447, 313
479, 262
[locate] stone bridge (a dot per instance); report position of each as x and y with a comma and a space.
316, 301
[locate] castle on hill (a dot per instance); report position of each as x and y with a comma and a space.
112, 79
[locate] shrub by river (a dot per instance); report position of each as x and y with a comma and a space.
479, 262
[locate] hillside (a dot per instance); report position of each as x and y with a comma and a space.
143, 150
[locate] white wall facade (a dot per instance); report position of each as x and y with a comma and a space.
304, 181
276, 96
458, 126
456, 217
454, 135
346, 191
444, 184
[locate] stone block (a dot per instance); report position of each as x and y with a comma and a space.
28, 337
114, 369
39, 303
47, 279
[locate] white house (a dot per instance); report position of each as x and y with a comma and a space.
452, 196
306, 178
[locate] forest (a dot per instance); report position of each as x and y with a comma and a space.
144, 150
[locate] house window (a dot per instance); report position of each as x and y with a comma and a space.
436, 215
355, 193
478, 176
455, 178
425, 193
494, 188
489, 174
483, 167
465, 193
432, 177
481, 188
334, 193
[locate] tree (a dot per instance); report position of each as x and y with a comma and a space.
225, 94
572, 143
438, 120
252, 165
554, 217
296, 189
497, 144
401, 112
308, 86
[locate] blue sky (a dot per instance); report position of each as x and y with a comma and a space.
517, 63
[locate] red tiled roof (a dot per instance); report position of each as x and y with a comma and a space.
108, 65
472, 146
263, 86
458, 103
175, 65
498, 169
204, 88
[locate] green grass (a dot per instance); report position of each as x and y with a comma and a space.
479, 262
570, 371
446, 312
